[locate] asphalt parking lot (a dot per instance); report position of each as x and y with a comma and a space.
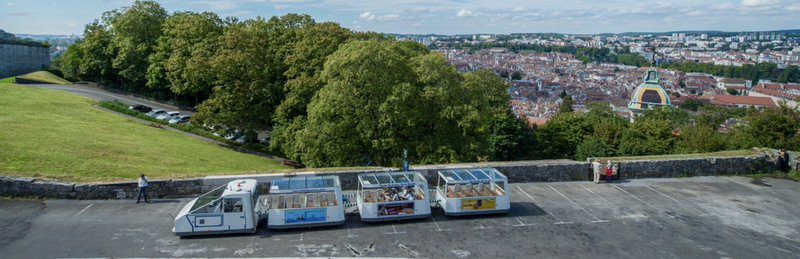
702, 217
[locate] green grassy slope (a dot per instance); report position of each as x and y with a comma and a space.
58, 135
46, 77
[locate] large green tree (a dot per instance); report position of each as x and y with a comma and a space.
136, 30
249, 70
381, 97
184, 54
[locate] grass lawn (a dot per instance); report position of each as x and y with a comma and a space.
6, 80
58, 135
47, 77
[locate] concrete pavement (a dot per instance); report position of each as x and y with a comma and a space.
702, 217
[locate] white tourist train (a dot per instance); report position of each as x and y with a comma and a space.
309, 201
228, 209
393, 196
472, 191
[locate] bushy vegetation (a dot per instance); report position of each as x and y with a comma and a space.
329, 96
334, 97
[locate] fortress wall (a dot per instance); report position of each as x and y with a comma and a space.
523, 171
22, 59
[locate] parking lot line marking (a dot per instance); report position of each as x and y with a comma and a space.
347, 226
596, 219
559, 222
662, 194
521, 224
643, 202
595, 194
439, 229
84, 209
479, 224
394, 231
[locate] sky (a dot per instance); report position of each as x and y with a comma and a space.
442, 16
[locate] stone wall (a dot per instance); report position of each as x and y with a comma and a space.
524, 171
22, 59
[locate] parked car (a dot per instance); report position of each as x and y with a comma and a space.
140, 108
168, 115
241, 139
180, 119
156, 113
264, 140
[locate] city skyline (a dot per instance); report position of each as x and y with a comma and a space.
443, 17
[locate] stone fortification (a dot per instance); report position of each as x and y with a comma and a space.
22, 59
524, 171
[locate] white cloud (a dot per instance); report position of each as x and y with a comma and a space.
371, 16
367, 16
389, 17
793, 8
518, 9
695, 13
420, 9
464, 13
758, 2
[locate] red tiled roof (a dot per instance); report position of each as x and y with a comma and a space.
536, 121
748, 100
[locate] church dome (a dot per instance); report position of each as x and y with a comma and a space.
649, 93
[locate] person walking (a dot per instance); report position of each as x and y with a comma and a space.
142, 183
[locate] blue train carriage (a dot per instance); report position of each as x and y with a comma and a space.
392, 196
472, 191
227, 209
305, 202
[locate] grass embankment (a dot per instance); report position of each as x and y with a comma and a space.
7, 80
58, 135
46, 77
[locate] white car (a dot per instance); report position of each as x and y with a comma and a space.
168, 115
155, 113
180, 119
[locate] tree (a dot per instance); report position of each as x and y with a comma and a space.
381, 97
699, 139
561, 135
566, 104
315, 42
183, 57
249, 72
136, 30
732, 91
98, 51
592, 147
790, 74
516, 76
510, 138
775, 128
691, 104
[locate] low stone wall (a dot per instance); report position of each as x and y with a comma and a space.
524, 171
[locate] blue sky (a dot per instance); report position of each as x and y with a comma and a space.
442, 16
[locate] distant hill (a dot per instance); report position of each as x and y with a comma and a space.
9, 38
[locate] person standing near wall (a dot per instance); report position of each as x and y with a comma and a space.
609, 172
597, 169
142, 183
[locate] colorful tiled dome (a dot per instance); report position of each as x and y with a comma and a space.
649, 93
